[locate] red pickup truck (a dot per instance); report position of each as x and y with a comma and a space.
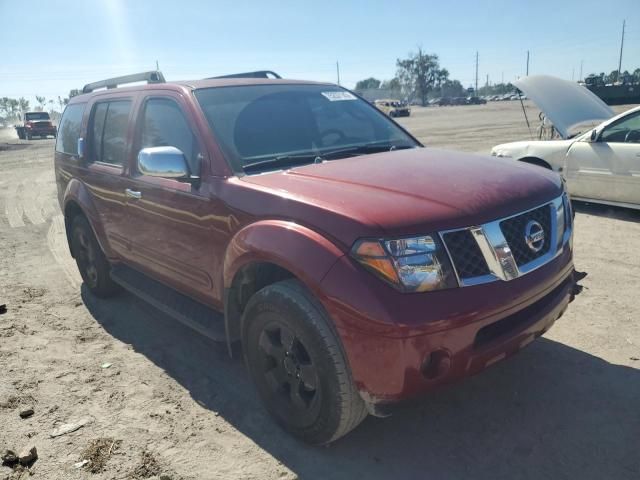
36, 124
357, 268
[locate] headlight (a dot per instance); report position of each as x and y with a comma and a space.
417, 264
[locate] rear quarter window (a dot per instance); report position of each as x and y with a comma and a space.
69, 129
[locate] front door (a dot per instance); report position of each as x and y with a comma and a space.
171, 236
609, 168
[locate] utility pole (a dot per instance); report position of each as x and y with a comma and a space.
581, 63
502, 80
621, 45
527, 63
338, 71
487, 79
476, 92
573, 73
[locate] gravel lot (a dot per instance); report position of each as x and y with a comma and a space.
166, 401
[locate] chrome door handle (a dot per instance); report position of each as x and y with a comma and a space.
132, 193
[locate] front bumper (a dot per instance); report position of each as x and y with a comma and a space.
41, 131
400, 346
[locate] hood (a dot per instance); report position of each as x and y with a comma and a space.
403, 192
565, 103
534, 148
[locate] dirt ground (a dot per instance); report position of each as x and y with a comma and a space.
156, 399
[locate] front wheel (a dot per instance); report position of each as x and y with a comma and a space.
297, 364
92, 263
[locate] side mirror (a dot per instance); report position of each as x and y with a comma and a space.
594, 135
80, 147
165, 162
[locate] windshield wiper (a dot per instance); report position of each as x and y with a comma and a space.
305, 158
283, 161
364, 149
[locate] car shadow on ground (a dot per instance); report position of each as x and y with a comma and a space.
549, 412
608, 211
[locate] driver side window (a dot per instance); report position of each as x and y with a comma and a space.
164, 125
626, 130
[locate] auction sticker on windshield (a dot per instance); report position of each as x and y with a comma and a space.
339, 96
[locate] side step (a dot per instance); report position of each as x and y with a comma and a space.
193, 314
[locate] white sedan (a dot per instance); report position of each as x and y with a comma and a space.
600, 164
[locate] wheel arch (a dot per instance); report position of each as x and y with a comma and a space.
265, 253
532, 160
77, 201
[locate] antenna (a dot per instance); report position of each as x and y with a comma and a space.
157, 67
338, 71
621, 46
581, 63
527, 63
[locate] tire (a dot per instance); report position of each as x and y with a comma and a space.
298, 366
93, 265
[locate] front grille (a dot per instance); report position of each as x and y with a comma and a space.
513, 230
465, 254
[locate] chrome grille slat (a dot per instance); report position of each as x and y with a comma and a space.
500, 254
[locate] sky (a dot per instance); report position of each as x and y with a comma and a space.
56, 45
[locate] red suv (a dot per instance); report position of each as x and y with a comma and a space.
357, 268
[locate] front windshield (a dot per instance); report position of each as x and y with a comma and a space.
256, 123
36, 116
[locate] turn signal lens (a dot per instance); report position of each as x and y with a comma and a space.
416, 264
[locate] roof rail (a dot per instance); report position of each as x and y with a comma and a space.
153, 76
256, 74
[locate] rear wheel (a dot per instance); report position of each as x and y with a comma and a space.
92, 263
297, 364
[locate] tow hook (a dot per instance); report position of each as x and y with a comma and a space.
577, 289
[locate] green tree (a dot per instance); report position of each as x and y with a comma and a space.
368, 83
23, 104
41, 101
393, 84
74, 92
420, 73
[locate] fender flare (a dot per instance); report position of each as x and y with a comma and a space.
305, 253
78, 194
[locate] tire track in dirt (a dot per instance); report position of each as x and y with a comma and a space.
57, 243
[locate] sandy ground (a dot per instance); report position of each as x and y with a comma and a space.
167, 402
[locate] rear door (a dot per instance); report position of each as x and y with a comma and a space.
108, 147
171, 234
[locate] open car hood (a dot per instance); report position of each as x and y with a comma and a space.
565, 103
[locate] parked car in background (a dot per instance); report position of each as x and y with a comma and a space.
356, 268
393, 108
35, 124
475, 101
600, 163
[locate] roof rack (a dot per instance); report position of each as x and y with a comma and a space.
153, 76
256, 74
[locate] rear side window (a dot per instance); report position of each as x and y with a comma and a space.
69, 129
164, 125
109, 132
